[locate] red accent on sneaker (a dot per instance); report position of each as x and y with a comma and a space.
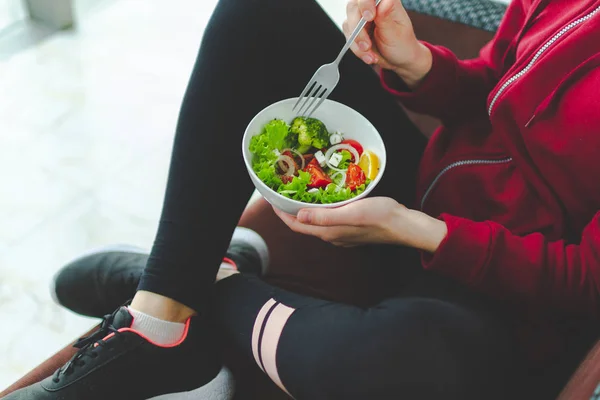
231, 262
177, 343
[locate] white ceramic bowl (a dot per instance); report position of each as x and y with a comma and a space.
337, 117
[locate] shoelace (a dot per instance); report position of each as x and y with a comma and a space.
87, 347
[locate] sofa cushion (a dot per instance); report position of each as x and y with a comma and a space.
480, 14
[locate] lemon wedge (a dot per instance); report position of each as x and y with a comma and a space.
369, 163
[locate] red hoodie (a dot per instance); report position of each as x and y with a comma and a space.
515, 169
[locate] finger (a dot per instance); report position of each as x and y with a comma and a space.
341, 216
391, 15
367, 9
362, 43
328, 234
322, 232
369, 55
298, 227
375, 57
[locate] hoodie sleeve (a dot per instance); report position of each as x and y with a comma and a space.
455, 89
530, 269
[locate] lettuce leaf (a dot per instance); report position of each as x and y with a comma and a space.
335, 194
346, 159
277, 132
263, 148
267, 173
297, 190
275, 136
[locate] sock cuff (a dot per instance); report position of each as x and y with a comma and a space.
157, 330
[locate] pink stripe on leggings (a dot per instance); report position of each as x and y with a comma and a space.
260, 319
270, 340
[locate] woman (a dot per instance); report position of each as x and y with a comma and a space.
507, 202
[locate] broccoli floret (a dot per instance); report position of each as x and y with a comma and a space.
311, 133
304, 148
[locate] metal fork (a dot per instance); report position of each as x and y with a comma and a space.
325, 79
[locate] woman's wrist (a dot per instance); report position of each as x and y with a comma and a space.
414, 73
419, 230
434, 233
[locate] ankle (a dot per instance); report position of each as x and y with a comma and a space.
225, 273
161, 307
227, 269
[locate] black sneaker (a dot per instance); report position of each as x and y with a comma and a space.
98, 282
118, 363
248, 251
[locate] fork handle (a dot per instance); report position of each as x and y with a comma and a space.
359, 27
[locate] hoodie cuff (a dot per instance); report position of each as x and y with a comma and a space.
464, 253
429, 95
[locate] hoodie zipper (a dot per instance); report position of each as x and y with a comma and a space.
503, 88
537, 55
460, 164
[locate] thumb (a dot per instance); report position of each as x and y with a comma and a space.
391, 15
327, 216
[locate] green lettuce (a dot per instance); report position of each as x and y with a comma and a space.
335, 194
297, 190
264, 147
346, 159
278, 134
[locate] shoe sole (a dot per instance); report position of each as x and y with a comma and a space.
114, 248
222, 387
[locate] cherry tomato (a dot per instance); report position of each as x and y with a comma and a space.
318, 177
355, 176
357, 146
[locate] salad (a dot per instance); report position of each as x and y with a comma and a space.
304, 161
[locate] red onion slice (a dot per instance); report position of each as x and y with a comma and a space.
342, 181
298, 154
288, 170
337, 147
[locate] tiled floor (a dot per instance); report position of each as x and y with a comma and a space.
86, 124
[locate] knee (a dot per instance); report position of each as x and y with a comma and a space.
270, 16
236, 23
258, 9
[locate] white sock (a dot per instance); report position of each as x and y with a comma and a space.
226, 270
157, 330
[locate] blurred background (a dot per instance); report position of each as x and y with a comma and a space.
87, 117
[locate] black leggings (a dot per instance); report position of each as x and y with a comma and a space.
429, 341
